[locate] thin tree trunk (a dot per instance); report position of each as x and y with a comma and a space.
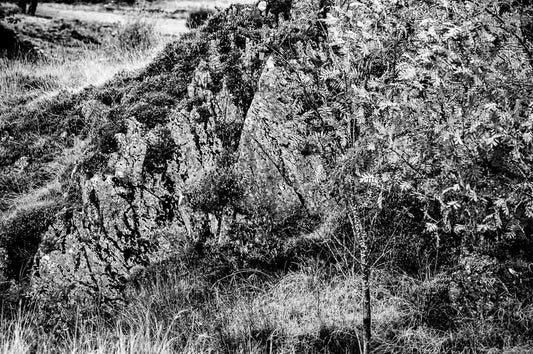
32, 8
361, 236
367, 319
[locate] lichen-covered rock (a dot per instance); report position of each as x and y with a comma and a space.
92, 251
273, 153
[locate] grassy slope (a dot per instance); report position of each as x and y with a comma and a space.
40, 104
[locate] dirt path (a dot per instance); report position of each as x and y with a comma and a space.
98, 14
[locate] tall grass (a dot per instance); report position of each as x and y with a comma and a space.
21, 335
16, 333
23, 81
308, 311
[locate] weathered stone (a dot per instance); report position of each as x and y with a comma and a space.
271, 141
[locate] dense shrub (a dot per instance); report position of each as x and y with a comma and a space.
160, 152
196, 18
149, 114
481, 301
136, 34
215, 191
20, 236
269, 239
435, 305
106, 141
407, 247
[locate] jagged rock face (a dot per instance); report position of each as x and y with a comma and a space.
273, 152
133, 213
116, 231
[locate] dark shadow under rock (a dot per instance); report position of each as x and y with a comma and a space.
13, 46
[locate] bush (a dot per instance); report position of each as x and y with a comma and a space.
214, 192
198, 17
160, 151
136, 34
149, 114
483, 302
435, 305
105, 139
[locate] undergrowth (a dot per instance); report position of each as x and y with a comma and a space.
311, 310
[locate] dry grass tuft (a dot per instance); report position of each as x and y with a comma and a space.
303, 306
16, 335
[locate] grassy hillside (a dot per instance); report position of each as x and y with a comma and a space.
267, 174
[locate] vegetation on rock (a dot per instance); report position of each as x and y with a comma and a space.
353, 178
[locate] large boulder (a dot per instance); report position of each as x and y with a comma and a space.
157, 188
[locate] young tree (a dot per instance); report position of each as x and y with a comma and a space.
431, 100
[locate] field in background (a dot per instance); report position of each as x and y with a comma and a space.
23, 81
81, 44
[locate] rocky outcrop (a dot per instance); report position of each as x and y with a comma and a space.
134, 181
186, 164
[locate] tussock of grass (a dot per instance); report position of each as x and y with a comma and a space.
38, 198
19, 337
15, 336
137, 34
309, 306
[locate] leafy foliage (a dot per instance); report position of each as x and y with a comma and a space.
391, 98
422, 117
